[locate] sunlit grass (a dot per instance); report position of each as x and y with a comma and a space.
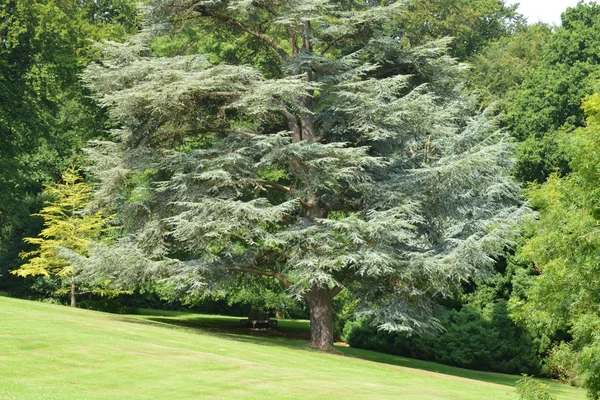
54, 352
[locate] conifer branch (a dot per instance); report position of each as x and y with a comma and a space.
331, 44
202, 11
274, 186
266, 38
340, 286
254, 271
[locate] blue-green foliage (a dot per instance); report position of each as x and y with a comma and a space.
360, 164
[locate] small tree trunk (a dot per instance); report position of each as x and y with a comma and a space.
73, 291
321, 318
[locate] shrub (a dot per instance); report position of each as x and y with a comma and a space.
482, 338
530, 389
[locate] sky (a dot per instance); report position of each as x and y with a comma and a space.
543, 10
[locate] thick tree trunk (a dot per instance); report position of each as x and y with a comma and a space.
321, 318
73, 291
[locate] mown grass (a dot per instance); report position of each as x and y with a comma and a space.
54, 352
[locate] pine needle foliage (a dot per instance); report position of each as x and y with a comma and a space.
355, 161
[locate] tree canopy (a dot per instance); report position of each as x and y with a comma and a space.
349, 160
549, 99
473, 25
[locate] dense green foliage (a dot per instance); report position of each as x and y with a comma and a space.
471, 24
500, 70
564, 248
548, 101
480, 335
47, 115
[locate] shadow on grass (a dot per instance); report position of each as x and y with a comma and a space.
234, 327
291, 334
490, 377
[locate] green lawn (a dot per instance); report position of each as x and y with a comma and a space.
54, 352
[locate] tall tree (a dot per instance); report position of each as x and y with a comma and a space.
347, 159
66, 225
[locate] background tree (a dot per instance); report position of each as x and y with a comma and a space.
353, 159
565, 250
47, 115
501, 68
471, 24
66, 225
549, 99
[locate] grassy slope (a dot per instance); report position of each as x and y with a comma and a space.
53, 352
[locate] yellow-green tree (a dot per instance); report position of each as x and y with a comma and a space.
66, 225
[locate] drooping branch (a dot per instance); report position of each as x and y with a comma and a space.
203, 11
331, 44
255, 271
266, 38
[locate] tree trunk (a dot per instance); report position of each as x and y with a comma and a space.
311, 208
307, 118
73, 290
293, 124
321, 318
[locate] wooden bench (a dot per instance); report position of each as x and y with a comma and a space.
259, 323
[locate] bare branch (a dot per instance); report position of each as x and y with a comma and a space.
274, 186
266, 38
340, 286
